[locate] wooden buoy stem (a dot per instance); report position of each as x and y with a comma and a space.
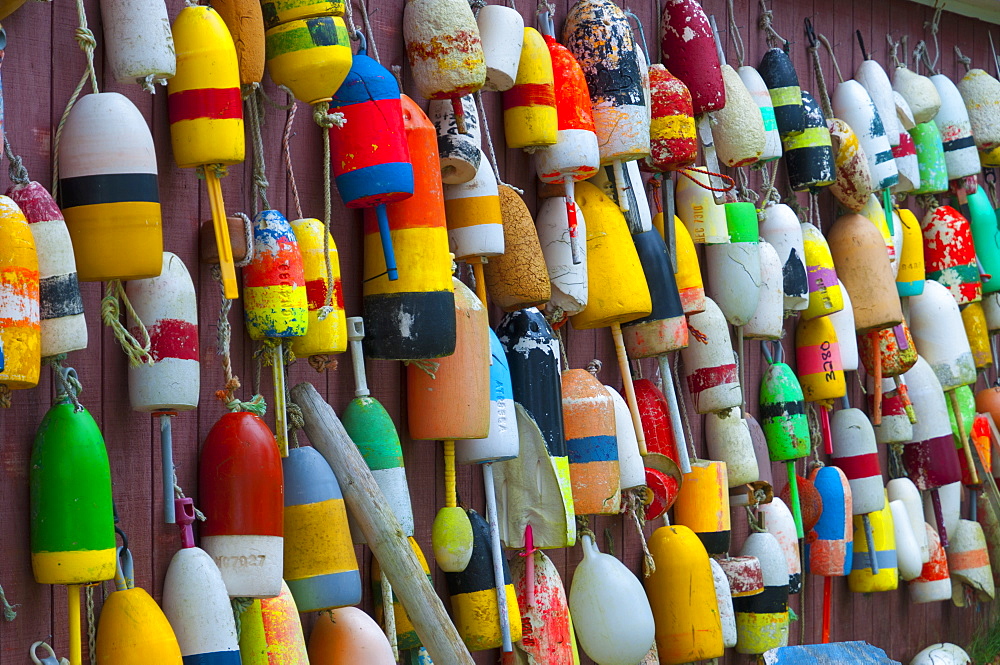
870, 537
793, 498
877, 358
75, 640
450, 493
824, 423
626, 372
280, 412
167, 466
221, 226
389, 615
939, 517
456, 107
620, 185
827, 594
497, 554
477, 272
683, 457
964, 437
576, 247
382, 530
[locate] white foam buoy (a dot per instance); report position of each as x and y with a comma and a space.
907, 551
876, 82
938, 332
459, 153
501, 30
969, 563
727, 436
919, 92
903, 490
710, 367
738, 132
762, 98
952, 120
768, 317
934, 583
942, 654
724, 596
568, 280
981, 94
853, 105
485, 239
138, 42
780, 524
630, 468
781, 227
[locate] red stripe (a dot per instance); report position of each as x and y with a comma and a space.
709, 377
530, 94
859, 466
211, 103
316, 293
172, 338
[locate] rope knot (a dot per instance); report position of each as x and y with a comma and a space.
322, 362
137, 352
428, 367
256, 406
85, 38
325, 119
594, 366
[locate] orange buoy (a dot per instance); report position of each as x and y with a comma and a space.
859, 254
348, 635
589, 419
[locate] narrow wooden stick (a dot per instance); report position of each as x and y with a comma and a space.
626, 372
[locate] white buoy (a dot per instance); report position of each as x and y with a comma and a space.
960, 155
981, 94
459, 153
895, 426
705, 220
919, 92
780, 524
938, 333
781, 227
724, 597
907, 552
734, 280
737, 130
903, 489
991, 307
138, 42
762, 98
853, 105
768, 317
483, 239
969, 563
843, 323
856, 453
942, 654
904, 115
502, 32
710, 367
764, 547
876, 82
934, 583
727, 436
630, 468
568, 280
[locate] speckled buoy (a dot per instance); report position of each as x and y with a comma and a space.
689, 52
517, 278
738, 132
853, 185
952, 120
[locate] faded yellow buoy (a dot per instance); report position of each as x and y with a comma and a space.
981, 94
738, 127
853, 185
703, 504
325, 334
974, 320
825, 295
518, 278
690, 284
911, 274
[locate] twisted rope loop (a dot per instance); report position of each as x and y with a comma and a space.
136, 351
16, 171
770, 34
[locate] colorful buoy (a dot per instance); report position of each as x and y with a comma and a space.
762, 98
710, 366
529, 106
518, 278
809, 153
762, 619
326, 331
271, 631
878, 554
783, 83
952, 120
20, 306
673, 141
703, 505
782, 229
689, 52
950, 255
930, 159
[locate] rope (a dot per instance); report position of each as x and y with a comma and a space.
771, 35
16, 171
934, 25
633, 507
352, 28
286, 151
489, 143
563, 358
734, 30
255, 118
965, 60
829, 48
894, 51
327, 121
86, 41
821, 89
754, 521
428, 367
642, 33
704, 171
368, 28
240, 605
9, 614
91, 625
136, 351
594, 366
67, 382
223, 335
179, 493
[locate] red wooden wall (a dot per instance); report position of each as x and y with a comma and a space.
42, 66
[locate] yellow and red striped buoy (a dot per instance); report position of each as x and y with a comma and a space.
326, 331
20, 317
673, 141
529, 107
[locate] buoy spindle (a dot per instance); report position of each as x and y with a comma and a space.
529, 566
824, 424
167, 465
793, 496
626, 372
386, 237
221, 227
574, 239
280, 415
497, 555
620, 186
75, 642
683, 457
827, 598
477, 273
870, 537
456, 107
356, 333
963, 435
939, 517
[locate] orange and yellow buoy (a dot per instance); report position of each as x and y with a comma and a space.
20, 314
325, 334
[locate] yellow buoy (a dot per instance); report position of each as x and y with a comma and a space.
529, 108
20, 322
690, 283
861, 579
324, 334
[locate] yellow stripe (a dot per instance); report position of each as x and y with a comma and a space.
672, 127
273, 298
116, 240
759, 632
317, 540
73, 567
813, 137
207, 141
421, 256
472, 211
478, 620
328, 335
530, 126
790, 96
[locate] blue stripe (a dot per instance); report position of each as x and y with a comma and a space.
376, 180
323, 592
883, 157
592, 449
308, 477
214, 658
500, 385
367, 81
885, 558
831, 525
909, 288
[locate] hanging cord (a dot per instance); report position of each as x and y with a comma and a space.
769, 193
114, 298
754, 521
16, 171
965, 60
92, 622
489, 143
179, 493
934, 25
368, 28
286, 151
9, 613
686, 172
255, 118
894, 51
833, 56
327, 121
821, 89
766, 24
67, 382
743, 190
642, 33
734, 30
632, 506
240, 605
85, 39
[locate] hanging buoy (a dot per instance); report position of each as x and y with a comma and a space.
781, 228
689, 52
737, 131
911, 274
778, 72
710, 365
904, 115
348, 635
969, 564
661, 440
853, 185
690, 284
445, 51
981, 94
412, 317
819, 366
768, 318
853, 105
703, 505
859, 254
665, 329
809, 154
682, 596
324, 334
241, 493
951, 506
786, 428
137, 41
271, 631
64, 328
907, 552
825, 296
589, 420
245, 21
762, 98
529, 107
132, 629
950, 255
108, 189
724, 600
831, 553
501, 30
673, 140
974, 320
930, 159
459, 153
567, 280
475, 222
863, 578
779, 523
705, 220
907, 164
934, 583
744, 574
548, 637
727, 437
888, 352
895, 426
630, 465
940, 336
904, 491
952, 120
919, 92
843, 323
518, 278
502, 442
985, 236
734, 267
875, 81
20, 306
856, 453
762, 619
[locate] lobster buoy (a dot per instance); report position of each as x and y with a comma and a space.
705, 220
348, 635
665, 329
919, 92
275, 299
737, 131
875, 81
893, 347
724, 600
951, 506
271, 631
809, 154
727, 436
517, 278
64, 328
589, 421
768, 318
547, 633
689, 52
762, 619
132, 629
859, 254
681, 593
911, 274
843, 323
673, 140
904, 491
981, 94
940, 336
459, 153
974, 320
474, 594
423, 295
311, 55
762, 98
710, 366
779, 523
703, 505
241, 492
325, 333
952, 120
853, 185
744, 574
930, 159
817, 360
907, 552
985, 237
782, 229
895, 426
629, 460
461, 381
637, 216
853, 105
907, 164
501, 30
72, 520
567, 280
654, 413
690, 284
445, 51
529, 107
863, 578
168, 308
734, 267
969, 564
406, 634
831, 552
502, 442
475, 222
319, 563
934, 583
825, 296
20, 306
950, 255
245, 21
138, 43
783, 415
782, 82
856, 453
108, 188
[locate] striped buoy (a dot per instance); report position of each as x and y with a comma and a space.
630, 465
940, 336
744, 574
853, 184
875, 81
930, 159
825, 296
762, 619
727, 437
518, 278
245, 21
874, 212
919, 92
904, 491
950, 254
133, 629
704, 218
459, 152
137, 41
689, 52
319, 563
985, 238
783, 415
108, 188
567, 280
501, 444
781, 228
326, 331
911, 274
981, 94
863, 578
779, 523
665, 329
681, 593
934, 583
853, 105
64, 326
423, 296
168, 308
856, 453
589, 420
952, 120
734, 267
843, 323
859, 254
809, 154
501, 30
817, 360
969, 564
241, 492
472, 209
768, 318
895, 426
348, 635
275, 297
737, 131
782, 82
309, 55
710, 366
20, 307
673, 141
703, 504
690, 284
907, 552
724, 600
831, 552
271, 631
762, 98
529, 107
907, 163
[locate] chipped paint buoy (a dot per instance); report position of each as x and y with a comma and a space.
276, 303
831, 553
768, 318
940, 336
853, 185
271, 631
710, 365
245, 21
762, 619
501, 30
20, 306
981, 94
969, 564
673, 140
138, 43
875, 81
734, 267
727, 437
809, 153
459, 153
690, 284
703, 505
778, 72
518, 278
589, 421
547, 632
724, 600
475, 223
781, 228
907, 164
950, 255
930, 159
689, 52
567, 280
739, 137
762, 98
853, 105
952, 120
